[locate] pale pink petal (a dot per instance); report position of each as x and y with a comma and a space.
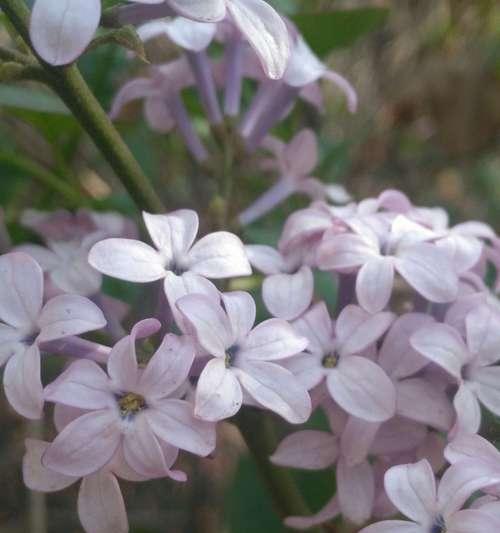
266, 32
265, 259
470, 520
301, 153
83, 384
271, 340
276, 388
471, 446
135, 89
219, 255
188, 34
158, 115
101, 508
329, 512
169, 367
305, 368
356, 440
487, 381
345, 251
483, 333
22, 383
211, 324
122, 361
61, 30
412, 489
240, 309
172, 234
67, 315
218, 393
202, 10
46, 258
287, 296
393, 526
127, 259
422, 266
308, 450
173, 421
419, 400
463, 251
397, 357
84, 445
21, 287
11, 342
356, 329
398, 435
374, 284
355, 491
36, 476
363, 389
467, 409
443, 345
316, 325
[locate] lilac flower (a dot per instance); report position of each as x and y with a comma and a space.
244, 359
183, 265
405, 249
288, 288
471, 363
356, 383
412, 489
129, 409
25, 323
294, 162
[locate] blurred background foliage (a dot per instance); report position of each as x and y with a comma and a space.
428, 77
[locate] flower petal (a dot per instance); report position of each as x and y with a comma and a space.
265, 258
356, 491
127, 259
374, 284
393, 526
329, 512
473, 520
316, 325
202, 10
60, 30
467, 409
487, 388
483, 333
240, 309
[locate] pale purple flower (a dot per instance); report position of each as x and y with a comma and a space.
25, 323
245, 359
412, 489
294, 163
335, 354
405, 249
181, 262
472, 363
288, 288
128, 408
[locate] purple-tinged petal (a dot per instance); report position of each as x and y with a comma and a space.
356, 439
169, 367
487, 387
83, 384
135, 89
422, 266
202, 10
393, 526
316, 325
301, 153
127, 259
240, 309
345, 87
329, 512
471, 446
419, 400
21, 287
61, 30
473, 520
173, 234
210, 323
307, 450
101, 508
483, 333
356, 491
36, 476
305, 368
374, 284
11, 342
67, 315
276, 388
265, 259
356, 329
46, 258
218, 393
363, 389
287, 296
173, 421
443, 345
412, 489
266, 32
219, 255
467, 409
398, 435
84, 445
464, 252
22, 383
272, 340
345, 251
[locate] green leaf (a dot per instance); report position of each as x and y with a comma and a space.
335, 29
32, 99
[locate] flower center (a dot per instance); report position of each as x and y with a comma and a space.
330, 361
131, 404
230, 355
438, 526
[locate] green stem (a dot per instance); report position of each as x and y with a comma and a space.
68, 83
257, 430
43, 176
